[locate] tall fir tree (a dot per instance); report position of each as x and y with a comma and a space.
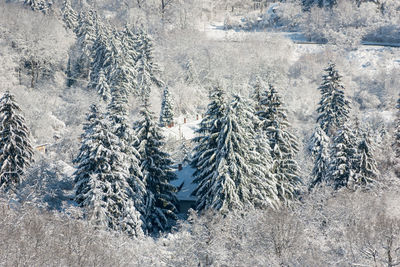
16, 152
284, 146
367, 171
320, 144
156, 165
146, 67
70, 17
259, 87
167, 108
86, 36
343, 167
102, 87
233, 175
101, 179
333, 108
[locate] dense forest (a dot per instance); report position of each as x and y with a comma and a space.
199, 133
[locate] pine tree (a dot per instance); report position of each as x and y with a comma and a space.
367, 166
258, 87
102, 88
191, 75
16, 150
156, 167
86, 35
167, 108
101, 179
397, 131
333, 108
342, 167
147, 69
283, 144
117, 113
320, 151
233, 175
39, 5
70, 17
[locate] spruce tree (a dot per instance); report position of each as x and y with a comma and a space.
117, 113
367, 166
167, 108
284, 146
101, 179
146, 67
157, 171
102, 88
70, 17
16, 153
233, 175
320, 151
333, 108
258, 88
342, 167
39, 5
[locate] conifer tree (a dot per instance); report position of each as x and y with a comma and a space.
86, 35
342, 167
39, 5
367, 166
101, 179
283, 144
16, 152
147, 69
167, 108
233, 175
333, 108
102, 88
70, 17
258, 87
157, 171
397, 131
191, 75
320, 151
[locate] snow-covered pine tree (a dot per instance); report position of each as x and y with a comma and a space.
129, 42
70, 17
191, 75
367, 166
259, 87
101, 179
167, 108
98, 54
233, 175
117, 113
102, 88
210, 126
320, 144
16, 150
157, 171
147, 69
397, 132
86, 35
39, 5
342, 167
283, 144
333, 108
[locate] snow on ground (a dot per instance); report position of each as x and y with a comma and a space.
182, 130
185, 177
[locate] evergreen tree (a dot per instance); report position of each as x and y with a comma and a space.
191, 75
167, 108
39, 5
101, 179
367, 166
102, 88
397, 131
233, 175
86, 35
343, 167
156, 167
258, 87
320, 151
147, 69
16, 150
283, 144
333, 108
70, 17
117, 113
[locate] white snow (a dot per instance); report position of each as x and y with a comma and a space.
185, 176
